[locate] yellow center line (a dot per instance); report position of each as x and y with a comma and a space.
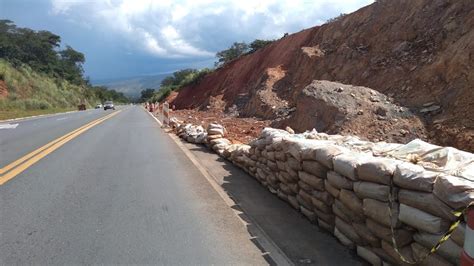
31, 154
28, 160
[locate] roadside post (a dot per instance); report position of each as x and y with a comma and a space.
166, 114
467, 255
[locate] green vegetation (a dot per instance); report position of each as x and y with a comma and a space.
178, 80
40, 78
237, 49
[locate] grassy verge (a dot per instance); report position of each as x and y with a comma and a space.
10, 114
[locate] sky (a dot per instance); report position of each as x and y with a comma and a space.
125, 38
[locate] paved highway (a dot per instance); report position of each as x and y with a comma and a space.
109, 187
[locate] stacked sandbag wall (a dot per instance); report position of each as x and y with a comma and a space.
358, 197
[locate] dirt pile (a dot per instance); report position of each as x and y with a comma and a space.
3, 89
418, 52
333, 107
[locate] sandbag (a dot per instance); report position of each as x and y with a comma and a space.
366, 234
303, 202
327, 217
379, 211
414, 177
305, 186
309, 214
426, 202
323, 196
325, 154
325, 226
343, 239
419, 252
294, 202
346, 164
320, 205
458, 234
402, 236
349, 231
314, 181
372, 190
315, 168
332, 190
369, 256
351, 201
280, 156
448, 250
293, 163
282, 195
378, 170
338, 181
455, 191
405, 251
422, 220
347, 214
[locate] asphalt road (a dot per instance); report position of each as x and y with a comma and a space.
120, 192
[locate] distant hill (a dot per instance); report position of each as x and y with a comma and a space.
132, 86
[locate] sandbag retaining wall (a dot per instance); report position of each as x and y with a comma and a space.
338, 183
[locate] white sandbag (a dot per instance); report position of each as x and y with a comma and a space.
414, 177
349, 231
313, 181
343, 239
379, 211
346, 164
369, 256
455, 191
426, 202
315, 168
371, 190
378, 170
350, 200
332, 190
419, 253
402, 236
325, 154
448, 250
338, 181
422, 220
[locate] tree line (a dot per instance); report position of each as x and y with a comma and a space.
191, 76
41, 51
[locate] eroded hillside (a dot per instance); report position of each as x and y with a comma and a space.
419, 53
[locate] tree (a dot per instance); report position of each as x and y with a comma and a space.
146, 94
258, 44
236, 50
70, 67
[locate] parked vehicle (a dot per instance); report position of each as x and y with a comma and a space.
98, 106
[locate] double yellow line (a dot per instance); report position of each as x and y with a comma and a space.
13, 169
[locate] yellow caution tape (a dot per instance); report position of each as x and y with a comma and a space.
458, 213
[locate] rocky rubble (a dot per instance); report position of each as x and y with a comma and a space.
359, 190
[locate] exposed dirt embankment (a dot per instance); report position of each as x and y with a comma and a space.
418, 52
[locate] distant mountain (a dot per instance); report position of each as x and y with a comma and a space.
132, 86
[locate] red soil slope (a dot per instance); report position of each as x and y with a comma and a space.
419, 52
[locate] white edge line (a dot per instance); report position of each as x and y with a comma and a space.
277, 255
